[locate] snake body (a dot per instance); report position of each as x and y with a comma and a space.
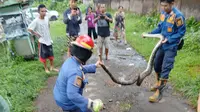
139, 78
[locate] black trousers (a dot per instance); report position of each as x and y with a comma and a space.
92, 31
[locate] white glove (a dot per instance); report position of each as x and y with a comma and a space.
96, 105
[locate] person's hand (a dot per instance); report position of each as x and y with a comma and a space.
73, 12
77, 12
165, 40
106, 17
37, 34
143, 35
96, 105
98, 17
98, 64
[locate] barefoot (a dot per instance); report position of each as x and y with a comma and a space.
47, 71
54, 69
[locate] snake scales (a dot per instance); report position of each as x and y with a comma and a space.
138, 79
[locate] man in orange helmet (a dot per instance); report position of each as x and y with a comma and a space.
71, 81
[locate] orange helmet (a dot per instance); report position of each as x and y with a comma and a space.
84, 41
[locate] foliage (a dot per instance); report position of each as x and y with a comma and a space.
59, 5
22, 80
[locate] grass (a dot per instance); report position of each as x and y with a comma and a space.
185, 76
22, 80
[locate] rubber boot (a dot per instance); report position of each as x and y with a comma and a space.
154, 88
157, 96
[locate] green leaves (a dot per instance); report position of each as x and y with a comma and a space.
21, 81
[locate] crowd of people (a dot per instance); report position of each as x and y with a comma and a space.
71, 80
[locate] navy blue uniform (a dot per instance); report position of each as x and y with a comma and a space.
171, 26
69, 86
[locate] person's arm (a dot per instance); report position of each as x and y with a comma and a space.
66, 17
108, 17
86, 17
79, 16
114, 18
124, 19
91, 68
96, 19
31, 29
181, 29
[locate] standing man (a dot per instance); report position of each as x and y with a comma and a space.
72, 80
72, 19
40, 28
172, 27
103, 28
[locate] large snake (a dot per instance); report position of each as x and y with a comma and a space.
139, 78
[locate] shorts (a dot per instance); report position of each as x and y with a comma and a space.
119, 32
103, 41
45, 52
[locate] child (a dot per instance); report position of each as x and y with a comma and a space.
119, 29
40, 28
91, 25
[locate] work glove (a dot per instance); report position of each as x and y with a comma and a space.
96, 105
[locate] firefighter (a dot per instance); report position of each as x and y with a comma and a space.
71, 81
172, 27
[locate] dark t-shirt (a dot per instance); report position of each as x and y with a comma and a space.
103, 26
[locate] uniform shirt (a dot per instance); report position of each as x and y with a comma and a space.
41, 26
69, 86
171, 26
72, 23
103, 26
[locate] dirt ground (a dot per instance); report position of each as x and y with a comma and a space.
125, 64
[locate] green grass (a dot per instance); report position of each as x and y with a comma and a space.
185, 76
21, 81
